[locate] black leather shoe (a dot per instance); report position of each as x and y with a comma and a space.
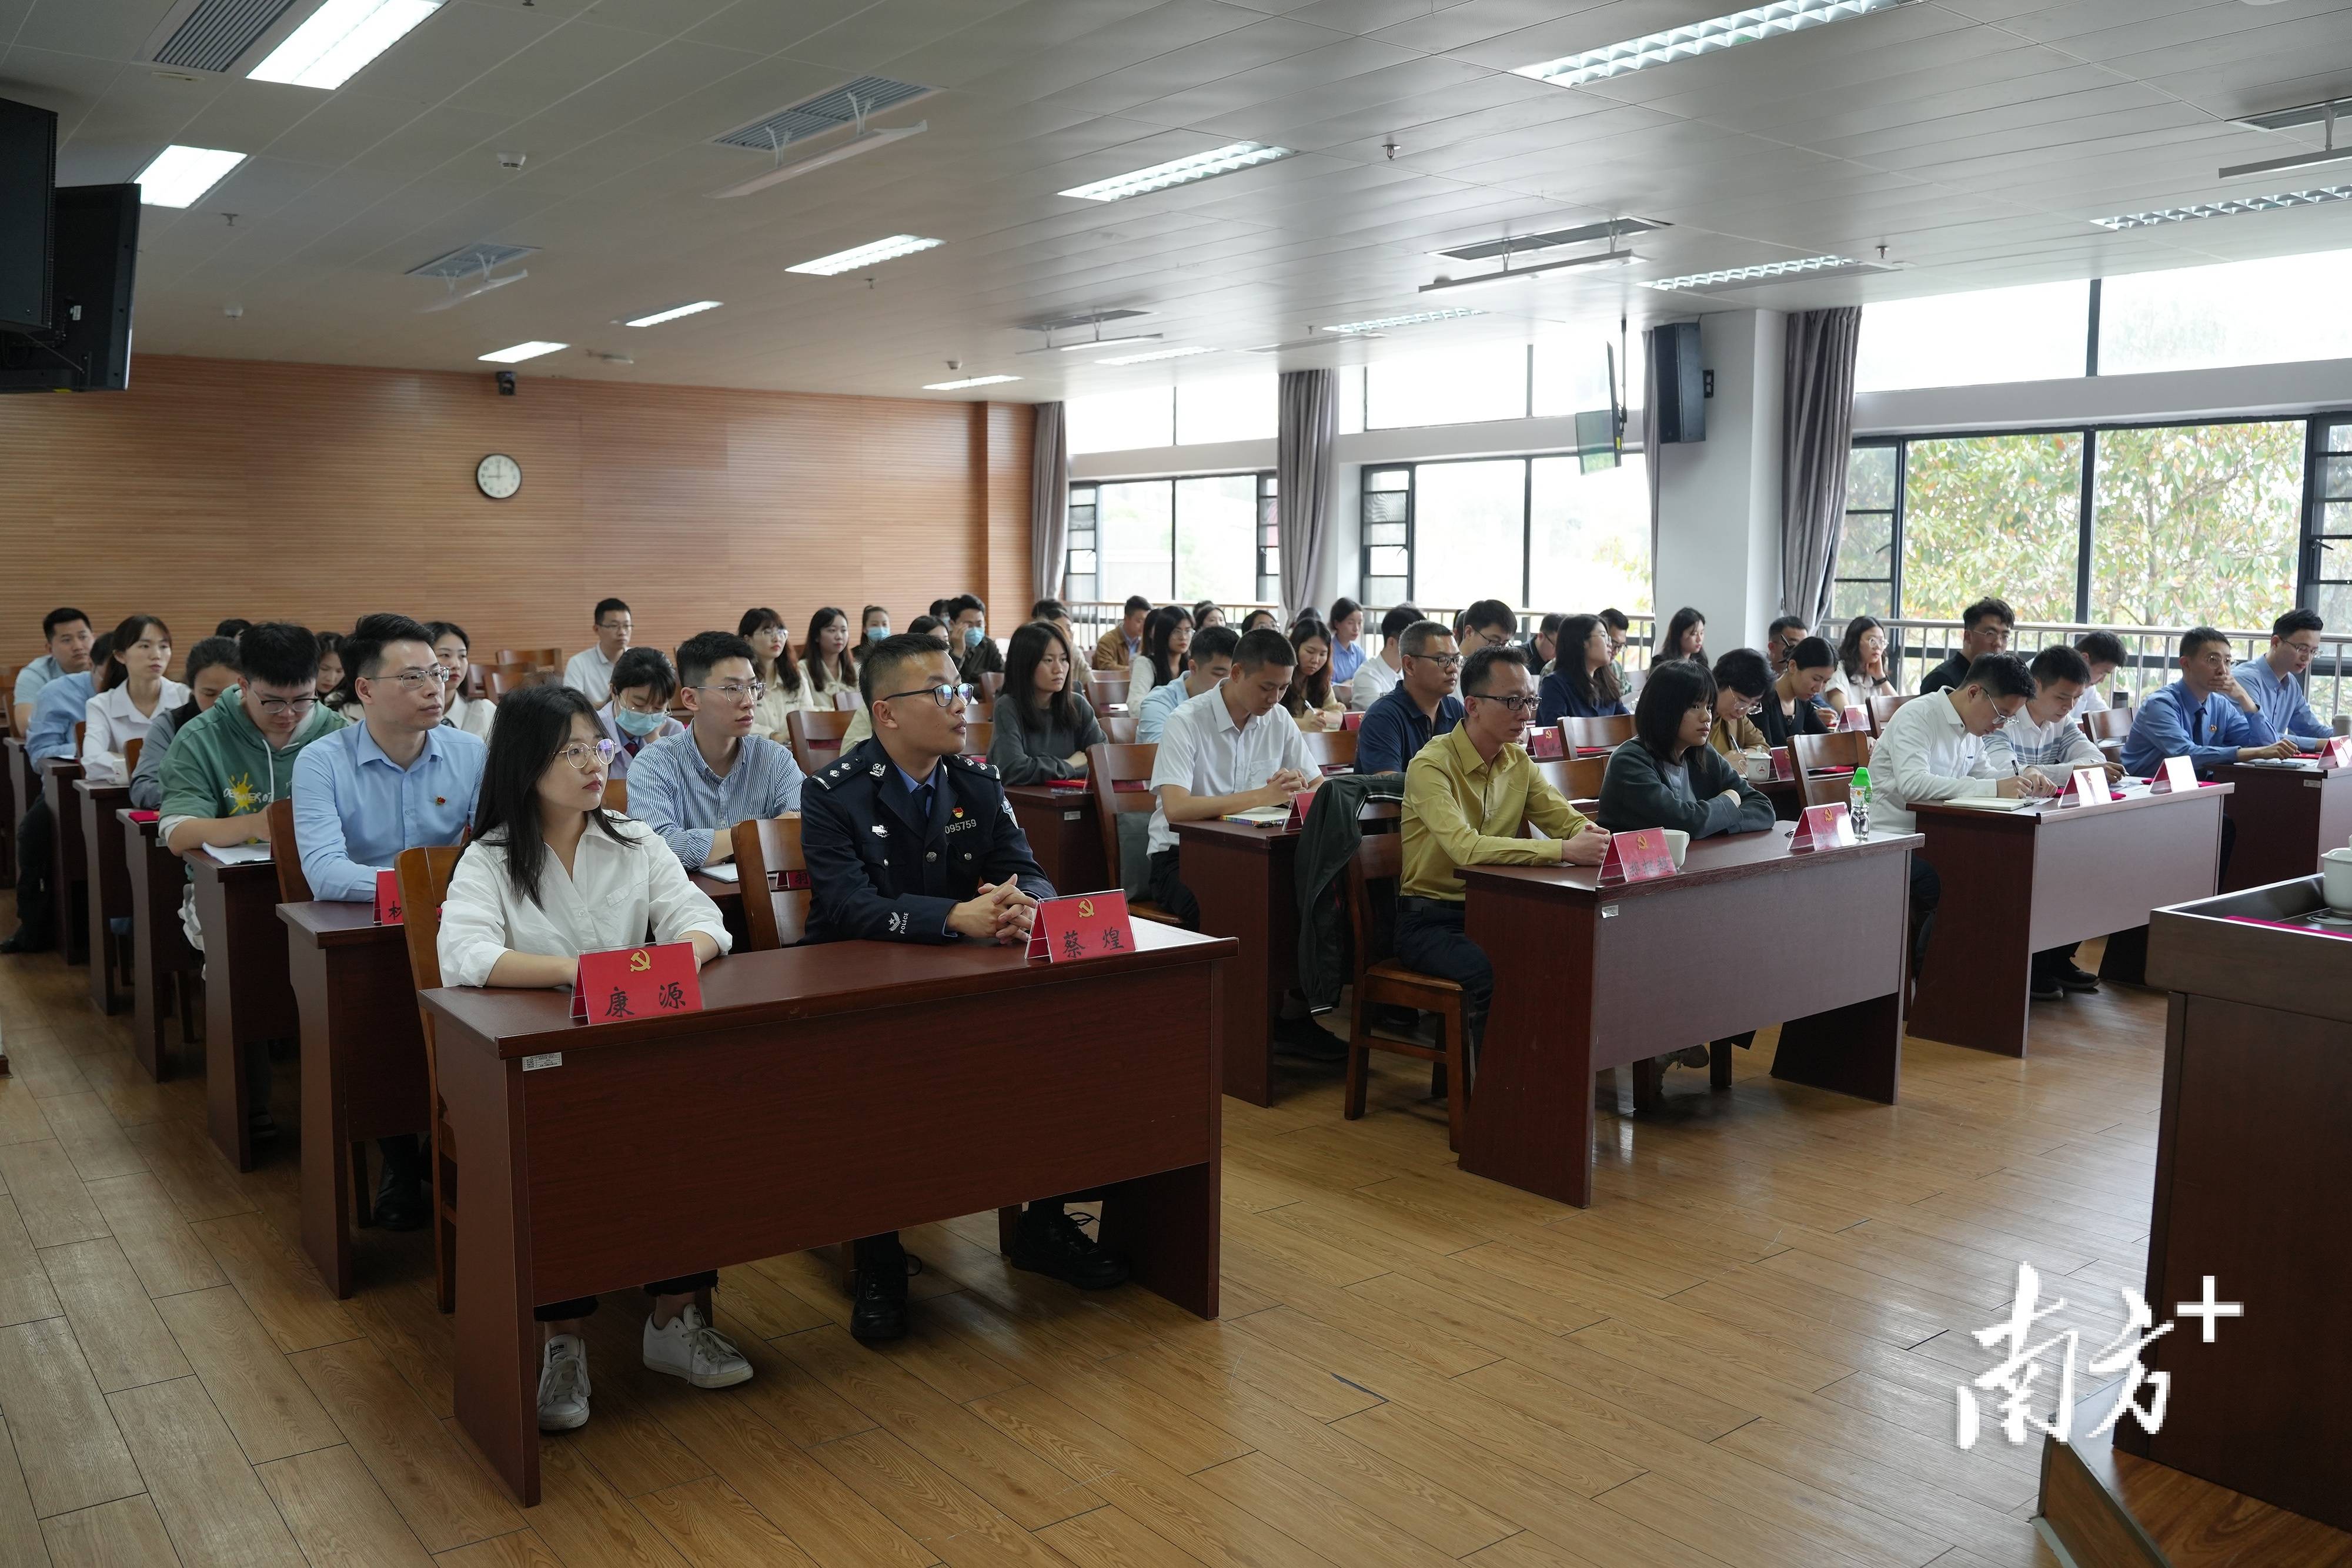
401, 1204
2074, 978
1306, 1039
1049, 1241
879, 1313
262, 1127
21, 943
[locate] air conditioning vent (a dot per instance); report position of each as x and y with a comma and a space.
1520, 244
1080, 318
826, 111
213, 36
471, 260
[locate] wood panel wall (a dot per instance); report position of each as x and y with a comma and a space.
322, 493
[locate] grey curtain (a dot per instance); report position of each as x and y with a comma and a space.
1815, 435
1306, 473
1049, 500
1650, 449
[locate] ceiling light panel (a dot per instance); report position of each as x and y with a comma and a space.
469, 260
179, 176
844, 105
1764, 272
2300, 114
523, 352
673, 313
1520, 244
1411, 319
340, 39
2228, 209
968, 382
1514, 274
1155, 354
867, 255
1727, 32
1225, 159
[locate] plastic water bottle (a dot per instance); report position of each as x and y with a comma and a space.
1858, 801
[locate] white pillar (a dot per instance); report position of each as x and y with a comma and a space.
1720, 499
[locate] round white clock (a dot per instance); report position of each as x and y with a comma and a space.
498, 475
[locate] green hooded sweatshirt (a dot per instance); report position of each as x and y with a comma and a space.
221, 766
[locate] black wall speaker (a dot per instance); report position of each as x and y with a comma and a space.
1681, 413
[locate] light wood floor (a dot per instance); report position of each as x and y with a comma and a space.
1743, 1356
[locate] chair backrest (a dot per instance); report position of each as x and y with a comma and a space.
1379, 858
1120, 728
1107, 689
532, 657
423, 887
1107, 767
991, 683
1828, 789
1614, 730
1578, 777
509, 678
817, 737
768, 856
1330, 748
477, 681
617, 796
1809, 753
977, 734
80, 729
2109, 724
131, 750
293, 887
1882, 708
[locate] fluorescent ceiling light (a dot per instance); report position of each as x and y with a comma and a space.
1512, 275
523, 352
1180, 171
864, 141
673, 313
1750, 25
2228, 209
2330, 153
179, 176
1083, 344
1154, 354
340, 37
865, 255
968, 382
1753, 273
1412, 318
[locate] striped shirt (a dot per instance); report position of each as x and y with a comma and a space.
673, 791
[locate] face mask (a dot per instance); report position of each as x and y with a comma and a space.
639, 725
876, 634
971, 636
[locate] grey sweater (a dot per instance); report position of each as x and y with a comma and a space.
1639, 790
1024, 755
147, 781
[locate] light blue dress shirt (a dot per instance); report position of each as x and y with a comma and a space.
2174, 724
1151, 713
1347, 658
673, 791
2281, 700
355, 809
60, 707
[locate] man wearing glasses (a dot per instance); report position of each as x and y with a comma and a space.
400, 780
229, 762
1466, 794
2275, 681
1420, 708
591, 669
692, 786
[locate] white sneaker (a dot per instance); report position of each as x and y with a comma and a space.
562, 1384
692, 1349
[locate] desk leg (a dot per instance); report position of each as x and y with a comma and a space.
326, 1143
1231, 885
228, 1104
1167, 1227
1972, 984
1529, 1121
148, 936
1855, 1049
69, 896
495, 1372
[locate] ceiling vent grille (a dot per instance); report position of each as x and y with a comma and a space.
1520, 245
217, 32
471, 260
1080, 318
826, 111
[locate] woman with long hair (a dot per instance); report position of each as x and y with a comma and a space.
335, 689
1684, 637
551, 875
134, 686
874, 624
1167, 637
1206, 614
831, 664
1309, 700
1862, 665
1576, 687
773, 666
453, 650
1043, 727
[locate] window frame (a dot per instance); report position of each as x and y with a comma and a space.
1411, 468
1265, 477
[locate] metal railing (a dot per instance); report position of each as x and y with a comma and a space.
1091, 618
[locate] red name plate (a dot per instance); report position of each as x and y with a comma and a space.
146, 816
1823, 827
1546, 746
2337, 753
1130, 786
635, 983
1083, 925
788, 882
2088, 787
1857, 718
2177, 773
1642, 855
1780, 763
1352, 721
387, 898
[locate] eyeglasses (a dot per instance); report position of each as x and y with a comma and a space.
1443, 661
945, 695
614, 625
587, 756
410, 680
735, 693
279, 708
1750, 710
1515, 701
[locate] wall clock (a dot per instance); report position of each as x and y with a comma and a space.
498, 475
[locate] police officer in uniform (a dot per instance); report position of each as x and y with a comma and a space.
908, 840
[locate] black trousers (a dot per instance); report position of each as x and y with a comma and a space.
887, 1255
2049, 963
34, 842
1169, 892
1429, 937
1927, 891
585, 1306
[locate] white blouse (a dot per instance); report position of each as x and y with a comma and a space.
473, 716
615, 892
112, 721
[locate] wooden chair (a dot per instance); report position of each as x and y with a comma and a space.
1107, 767
1611, 731
131, 750
1119, 728
507, 679
816, 737
2109, 724
477, 681
293, 887
423, 885
1809, 754
991, 683
1578, 777
1108, 690
768, 856
1882, 708
1383, 981
616, 795
1331, 748
977, 734
80, 729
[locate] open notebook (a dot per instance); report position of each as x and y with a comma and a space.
238, 854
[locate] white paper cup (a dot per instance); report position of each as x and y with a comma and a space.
1678, 841
2335, 879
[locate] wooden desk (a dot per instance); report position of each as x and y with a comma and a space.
108, 878
68, 865
1782, 793
248, 997
160, 958
14, 800
911, 1093
1065, 832
2071, 872
1247, 880
1578, 986
362, 1061
729, 897
2287, 817
2249, 1189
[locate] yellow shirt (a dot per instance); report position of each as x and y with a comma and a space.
1459, 810
1736, 737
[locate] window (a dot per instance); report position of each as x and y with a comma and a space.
1588, 536
1572, 372
1216, 528
2240, 313
1996, 514
2196, 525
1469, 524
1171, 541
1866, 558
1388, 536
1122, 421
1528, 531
2041, 332
1466, 385
2330, 556
1078, 556
1232, 408
1269, 543
1137, 535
